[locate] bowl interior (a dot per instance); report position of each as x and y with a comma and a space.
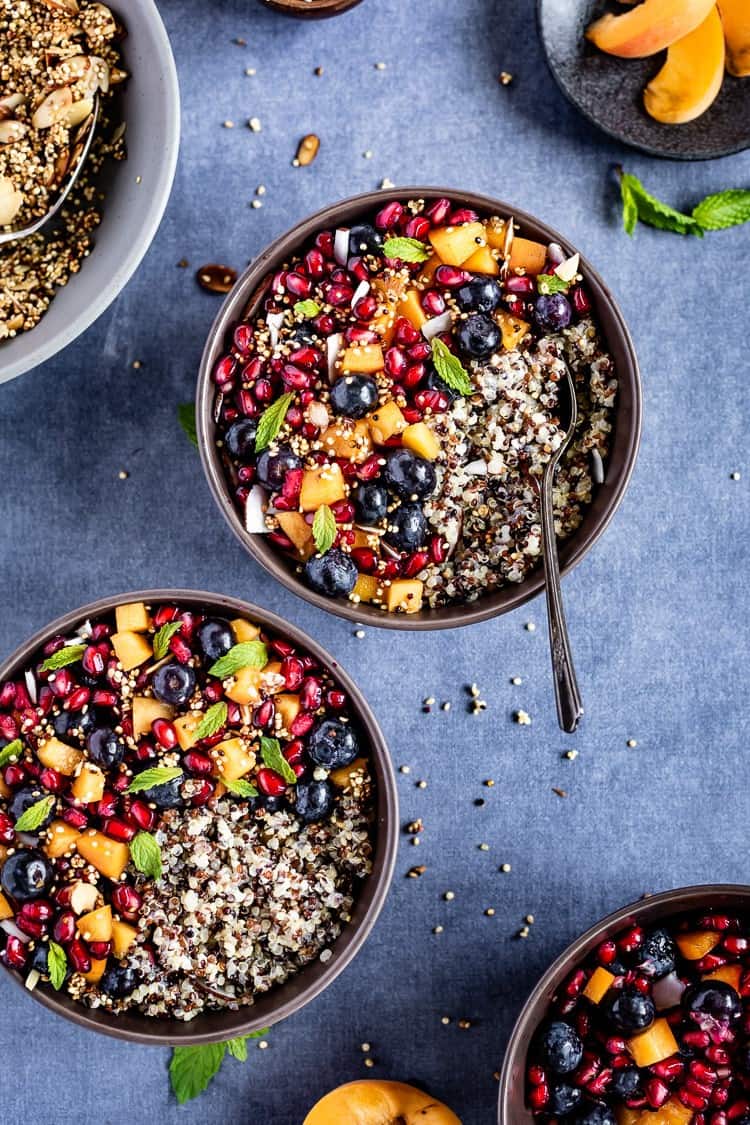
625, 438
305, 985
511, 1105
136, 192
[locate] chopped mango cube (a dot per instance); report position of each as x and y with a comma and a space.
89, 785
131, 649
342, 777
133, 618
232, 759
454, 245
527, 255
410, 306
97, 925
123, 937
244, 630
324, 485
295, 527
186, 726
365, 588
6, 910
599, 984
110, 857
287, 706
404, 594
61, 838
421, 440
348, 439
653, 1045
483, 261
366, 358
57, 755
697, 943
145, 710
729, 974
386, 421
513, 329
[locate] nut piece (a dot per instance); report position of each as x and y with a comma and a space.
308, 149
216, 279
11, 131
83, 897
10, 201
70, 6
54, 108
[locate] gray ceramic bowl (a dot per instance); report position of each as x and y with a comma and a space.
131, 210
300, 989
316, 10
249, 291
512, 1099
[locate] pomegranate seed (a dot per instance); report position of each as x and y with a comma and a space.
369, 468
632, 940
264, 714
433, 400
165, 733
357, 267
263, 390
77, 699
365, 309
145, 751
418, 227
52, 780
338, 295
416, 562
280, 540
389, 216
119, 830
102, 698
298, 285
39, 911
310, 694
61, 683
336, 700
54, 644
93, 661
282, 648
413, 375
736, 945
203, 793
301, 724
270, 782
536, 1075
107, 805
324, 324
234, 714
224, 371
615, 1045
7, 695
600, 1084
315, 265
64, 929
75, 818
405, 334
144, 817
439, 211
395, 362
703, 1072
365, 558
583, 1023
7, 830
711, 962
581, 301
30, 926
521, 286
343, 511
461, 216
656, 1092
719, 1056
100, 949
179, 649
15, 952
668, 1068
412, 415
79, 957
451, 276
539, 1096
14, 774
126, 901
292, 671
294, 752
437, 549
242, 338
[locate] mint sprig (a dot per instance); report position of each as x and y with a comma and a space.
68, 654
724, 209
35, 815
271, 421
247, 654
324, 529
186, 418
450, 369
213, 720
719, 211
406, 249
548, 283
192, 1068
57, 965
308, 309
163, 636
11, 753
156, 775
239, 787
146, 855
270, 752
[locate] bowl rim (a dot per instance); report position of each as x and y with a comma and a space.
321, 10
498, 602
374, 891
682, 898
157, 205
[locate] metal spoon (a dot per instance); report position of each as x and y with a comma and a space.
14, 235
567, 695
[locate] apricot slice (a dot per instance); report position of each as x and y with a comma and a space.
367, 358
145, 710
420, 439
321, 486
295, 527
690, 80
648, 28
697, 943
379, 1103
386, 421
97, 925
404, 594
735, 15
132, 617
61, 838
454, 245
365, 588
527, 255
653, 1045
599, 985
244, 630
110, 857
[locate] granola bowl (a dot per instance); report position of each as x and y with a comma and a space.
135, 192
409, 484
188, 851
311, 9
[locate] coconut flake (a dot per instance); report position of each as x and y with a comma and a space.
333, 347
274, 321
568, 269
361, 291
83, 897
12, 929
84, 630
437, 325
341, 246
255, 511
32, 980
30, 684
667, 992
597, 466
477, 468
317, 414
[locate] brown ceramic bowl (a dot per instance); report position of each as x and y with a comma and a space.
315, 10
249, 291
295, 993
512, 1100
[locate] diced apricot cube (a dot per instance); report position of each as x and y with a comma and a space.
6, 910
145, 710
57, 755
427, 270
421, 440
186, 726
109, 857
527, 255
295, 527
697, 943
89, 784
513, 329
244, 630
653, 1045
483, 261
232, 759
404, 594
366, 539
365, 588
287, 706
672, 1112
386, 421
599, 984
454, 245
366, 358
348, 439
97, 925
729, 974
246, 686
96, 972
410, 306
131, 649
495, 232
324, 485
342, 777
123, 937
133, 618
61, 838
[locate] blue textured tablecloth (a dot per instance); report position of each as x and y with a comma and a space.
657, 611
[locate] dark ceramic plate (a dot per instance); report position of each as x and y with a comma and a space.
609, 91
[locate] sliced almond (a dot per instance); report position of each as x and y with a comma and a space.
83, 897
53, 109
72, 69
308, 149
568, 269
69, 6
11, 131
99, 23
217, 279
10, 103
10, 201
78, 112
116, 76
100, 74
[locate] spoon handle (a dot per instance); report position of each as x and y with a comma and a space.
567, 695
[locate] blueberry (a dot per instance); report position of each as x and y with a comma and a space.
216, 637
560, 1047
119, 981
628, 1010
433, 382
173, 683
303, 334
552, 312
481, 294
408, 475
354, 396
333, 744
82, 722
273, 804
563, 1099
711, 1002
625, 1082
314, 800
39, 959
364, 239
478, 336
371, 501
273, 467
105, 748
595, 1115
166, 796
27, 874
407, 528
24, 798
333, 574
239, 439
657, 955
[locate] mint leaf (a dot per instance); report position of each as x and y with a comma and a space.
157, 775
247, 654
324, 528
57, 965
11, 753
35, 815
271, 421
68, 654
213, 720
406, 249
239, 787
146, 854
192, 1069
238, 1048
629, 207
270, 752
548, 283
186, 418
651, 210
163, 636
724, 209
450, 369
306, 308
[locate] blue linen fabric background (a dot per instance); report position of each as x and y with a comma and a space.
657, 611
